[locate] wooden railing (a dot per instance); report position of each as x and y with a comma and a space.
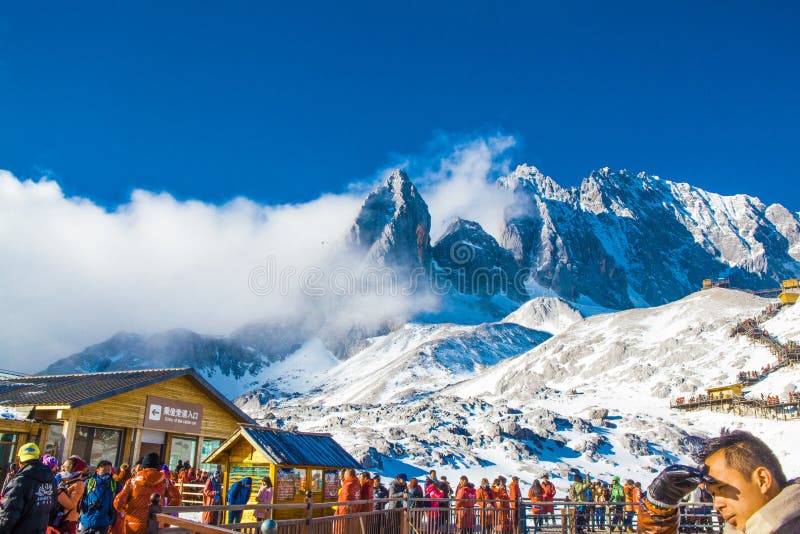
418, 516
192, 493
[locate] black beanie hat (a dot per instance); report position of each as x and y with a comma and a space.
151, 461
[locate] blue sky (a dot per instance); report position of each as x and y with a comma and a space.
280, 102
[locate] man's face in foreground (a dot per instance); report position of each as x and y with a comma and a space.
736, 497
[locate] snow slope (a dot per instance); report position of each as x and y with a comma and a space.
411, 362
595, 396
547, 314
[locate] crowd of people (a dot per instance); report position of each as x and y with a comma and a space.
496, 507
39, 495
736, 472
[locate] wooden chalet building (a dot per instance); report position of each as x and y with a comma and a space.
118, 416
294, 461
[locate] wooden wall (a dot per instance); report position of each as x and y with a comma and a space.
241, 452
127, 409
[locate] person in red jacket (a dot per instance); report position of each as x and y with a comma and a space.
134, 499
367, 491
465, 502
549, 493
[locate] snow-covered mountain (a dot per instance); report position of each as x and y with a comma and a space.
622, 240
617, 241
393, 226
547, 314
594, 396
218, 358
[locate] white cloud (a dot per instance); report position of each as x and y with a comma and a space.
462, 185
73, 273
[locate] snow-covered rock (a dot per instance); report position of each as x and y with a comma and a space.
547, 314
593, 397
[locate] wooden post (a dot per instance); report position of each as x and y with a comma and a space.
69, 434
309, 511
137, 446
198, 456
405, 520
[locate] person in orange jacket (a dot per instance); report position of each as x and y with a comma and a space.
367, 491
134, 499
548, 509
70, 493
515, 496
212, 496
500, 501
350, 491
627, 490
485, 513
536, 495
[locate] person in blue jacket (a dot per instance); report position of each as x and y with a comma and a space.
239, 494
97, 504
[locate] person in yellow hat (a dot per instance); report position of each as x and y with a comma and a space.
29, 497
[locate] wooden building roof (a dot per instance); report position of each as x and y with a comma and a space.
72, 391
284, 447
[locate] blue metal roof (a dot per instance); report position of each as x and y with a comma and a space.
297, 448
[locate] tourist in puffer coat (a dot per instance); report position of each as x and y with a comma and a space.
366, 493
464, 506
484, 497
212, 496
379, 491
397, 490
501, 503
29, 495
433, 490
350, 491
134, 499
239, 494
548, 509
70, 493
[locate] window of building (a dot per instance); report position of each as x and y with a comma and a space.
7, 444
209, 446
55, 441
184, 449
94, 444
316, 481
300, 480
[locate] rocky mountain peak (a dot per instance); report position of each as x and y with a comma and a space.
475, 263
462, 225
603, 191
529, 179
394, 224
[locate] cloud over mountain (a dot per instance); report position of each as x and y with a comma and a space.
75, 272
